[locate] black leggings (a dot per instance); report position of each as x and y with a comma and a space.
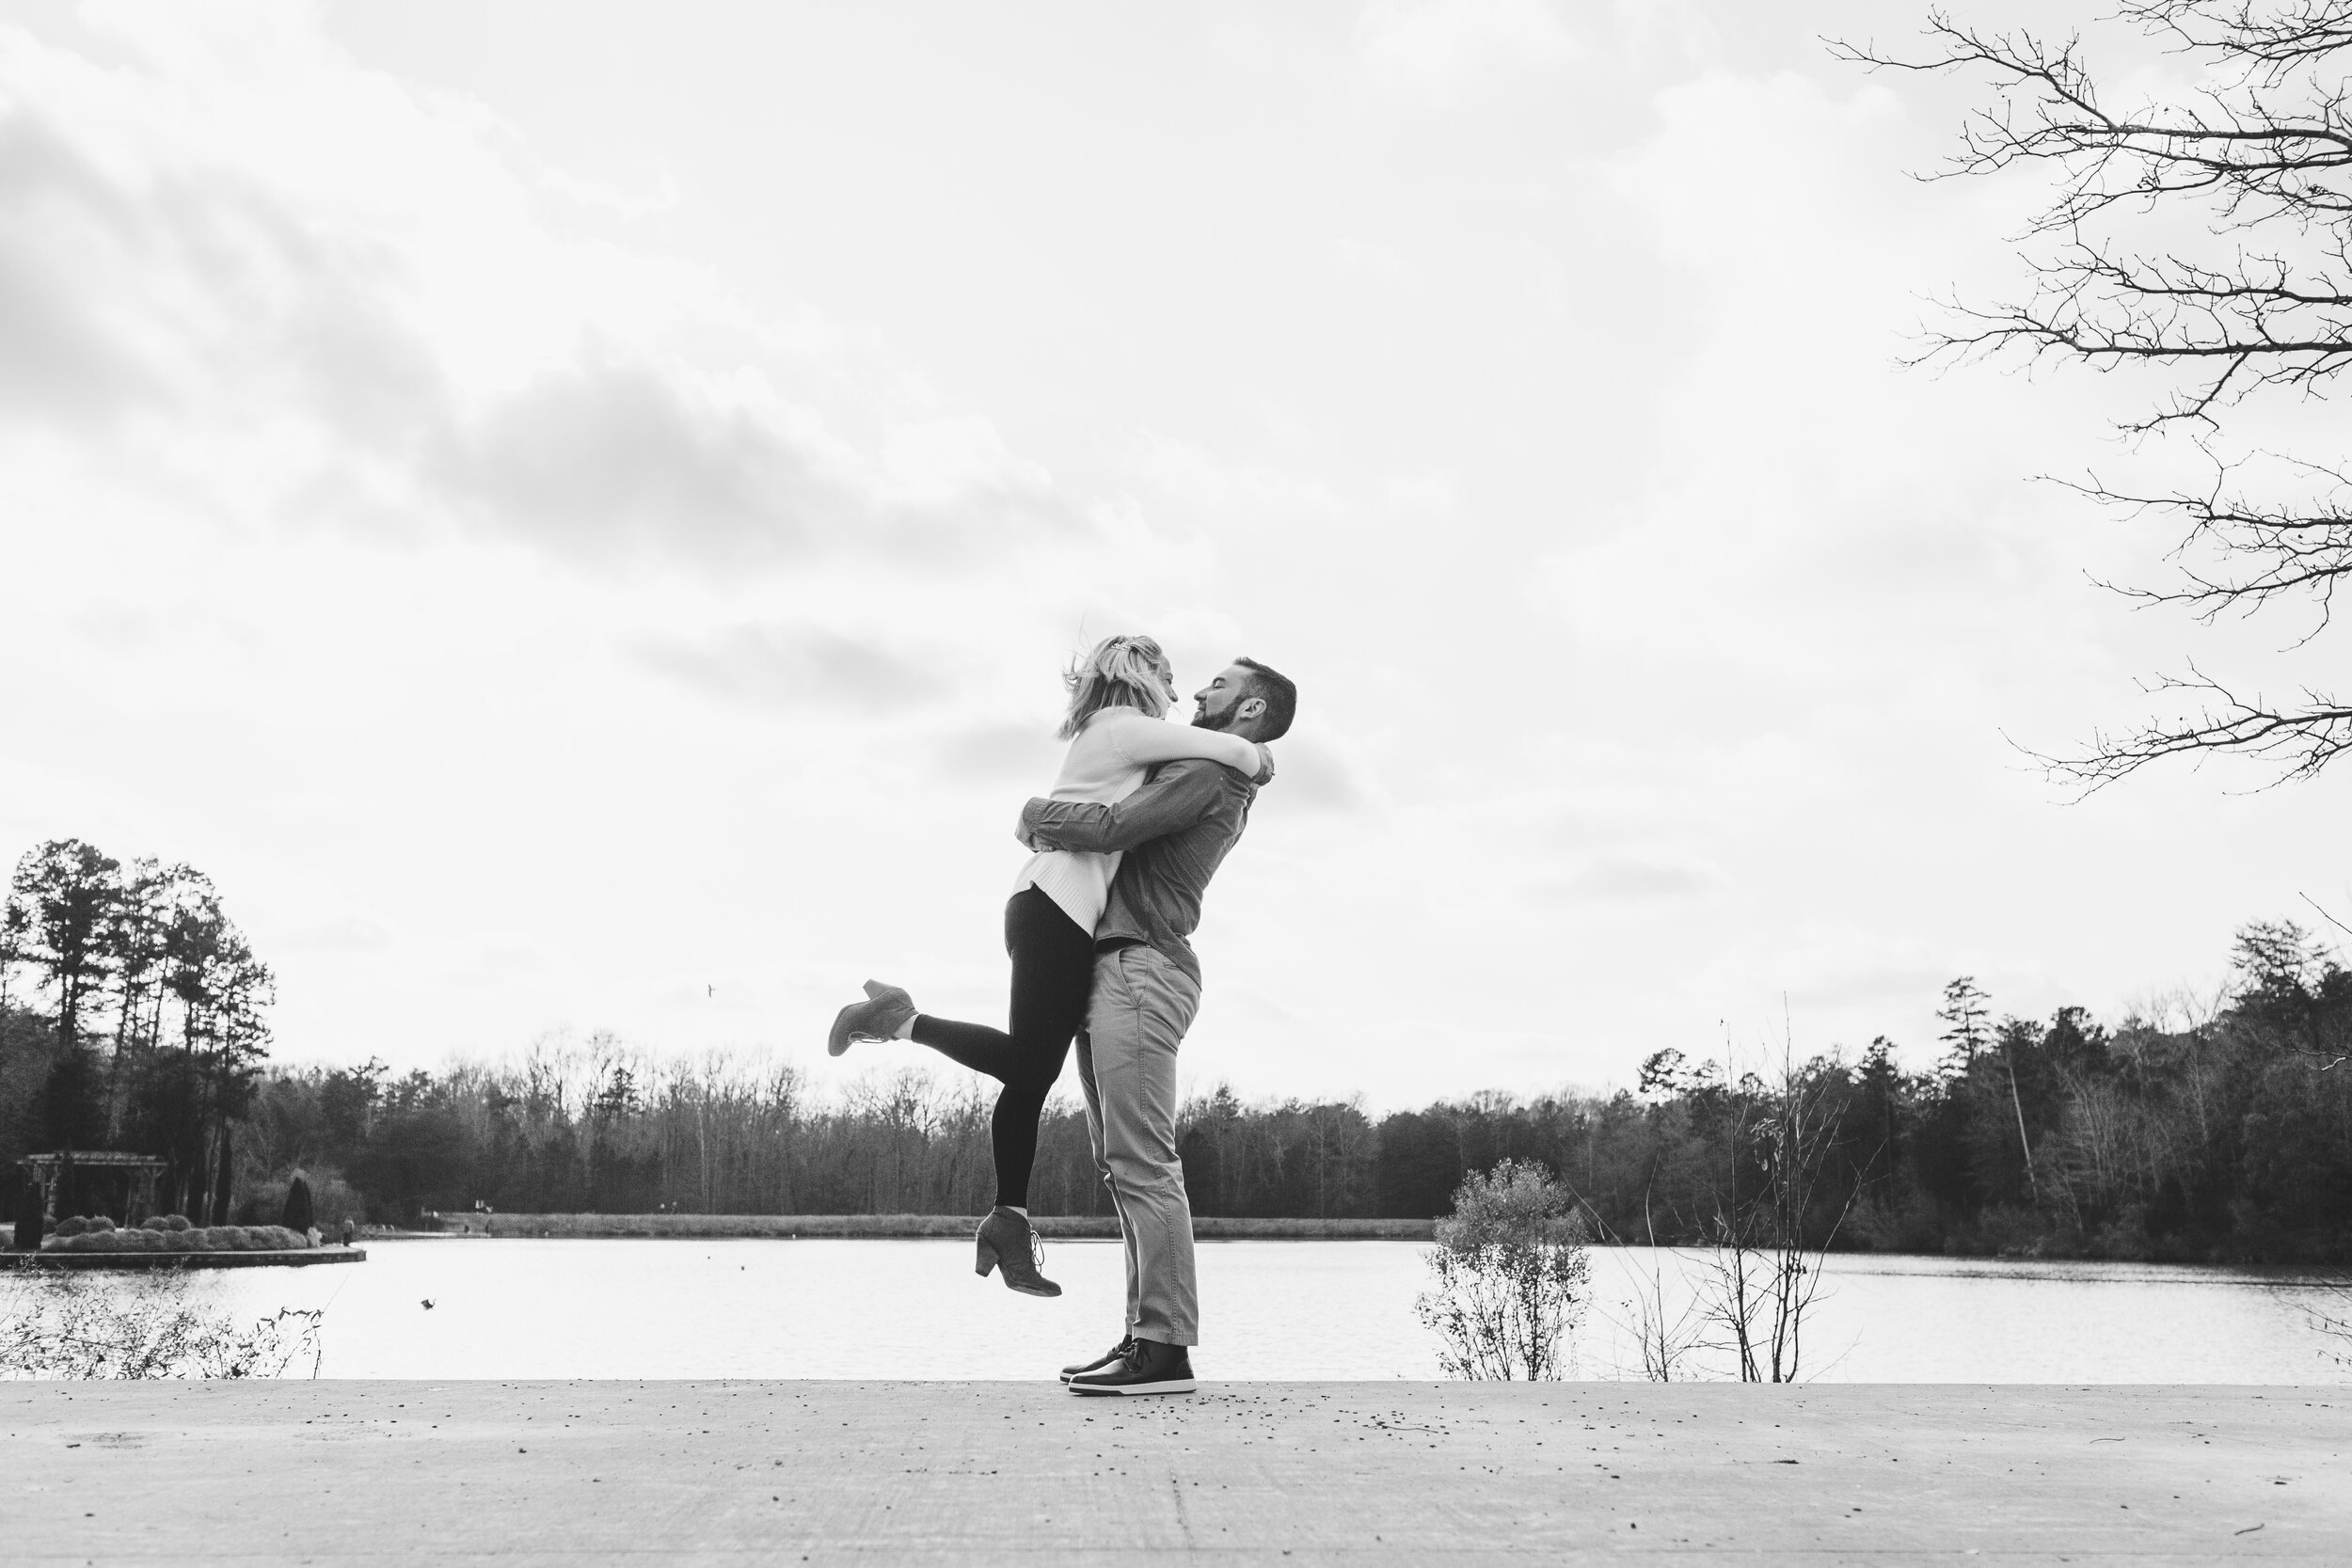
1053, 971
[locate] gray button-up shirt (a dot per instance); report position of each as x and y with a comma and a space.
1175, 829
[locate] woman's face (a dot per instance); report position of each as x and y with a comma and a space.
1168, 680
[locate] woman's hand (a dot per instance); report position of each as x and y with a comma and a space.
1265, 764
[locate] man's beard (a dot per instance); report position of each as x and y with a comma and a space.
1207, 721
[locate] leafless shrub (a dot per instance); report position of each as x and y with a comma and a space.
146, 1325
1764, 1273
1666, 1337
2334, 1317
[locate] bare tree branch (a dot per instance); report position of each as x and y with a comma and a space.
2300, 741
2207, 240
2237, 553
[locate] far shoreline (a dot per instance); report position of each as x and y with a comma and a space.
878, 1228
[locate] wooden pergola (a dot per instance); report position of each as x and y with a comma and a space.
143, 1171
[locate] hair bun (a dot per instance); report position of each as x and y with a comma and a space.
1124, 668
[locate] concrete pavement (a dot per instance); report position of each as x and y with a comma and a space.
1292, 1474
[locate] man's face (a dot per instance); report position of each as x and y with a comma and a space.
1215, 705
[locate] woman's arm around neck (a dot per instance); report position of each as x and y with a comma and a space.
1145, 741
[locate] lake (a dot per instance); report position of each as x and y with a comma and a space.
825, 1309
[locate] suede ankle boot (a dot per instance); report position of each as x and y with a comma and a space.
1007, 1241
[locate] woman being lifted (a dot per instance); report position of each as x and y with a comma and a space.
1116, 726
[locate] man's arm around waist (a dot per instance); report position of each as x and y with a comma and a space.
1179, 795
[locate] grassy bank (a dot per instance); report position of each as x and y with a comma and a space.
903, 1225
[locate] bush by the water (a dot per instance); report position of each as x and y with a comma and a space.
1511, 1275
145, 1325
333, 1200
171, 1233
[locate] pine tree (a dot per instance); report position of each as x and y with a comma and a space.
63, 901
1963, 1014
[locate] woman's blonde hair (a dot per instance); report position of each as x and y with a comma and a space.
1121, 672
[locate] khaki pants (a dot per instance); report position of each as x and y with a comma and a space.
1142, 1005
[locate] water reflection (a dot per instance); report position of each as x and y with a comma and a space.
1272, 1310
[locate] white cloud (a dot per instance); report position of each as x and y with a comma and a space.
1432, 51
1627, 876
343, 292
791, 666
1829, 967
578, 602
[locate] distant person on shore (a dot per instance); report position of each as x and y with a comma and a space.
1173, 833
1119, 696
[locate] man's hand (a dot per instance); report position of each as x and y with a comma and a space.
1035, 842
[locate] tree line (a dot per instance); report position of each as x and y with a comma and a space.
2226, 1134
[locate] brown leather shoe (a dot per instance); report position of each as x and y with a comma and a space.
1007, 1241
877, 1018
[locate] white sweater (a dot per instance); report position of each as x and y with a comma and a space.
1106, 763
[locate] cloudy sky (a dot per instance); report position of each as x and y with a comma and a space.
571, 514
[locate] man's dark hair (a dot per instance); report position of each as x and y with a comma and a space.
1281, 698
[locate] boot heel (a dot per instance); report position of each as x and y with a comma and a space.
986, 1263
